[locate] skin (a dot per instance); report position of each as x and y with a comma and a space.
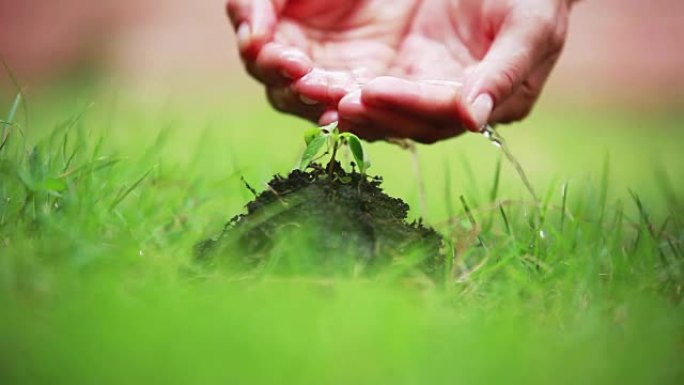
420, 69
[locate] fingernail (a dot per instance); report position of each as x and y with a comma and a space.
307, 101
481, 109
244, 33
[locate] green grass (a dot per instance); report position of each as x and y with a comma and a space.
101, 206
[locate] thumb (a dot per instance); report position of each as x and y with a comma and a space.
519, 45
254, 21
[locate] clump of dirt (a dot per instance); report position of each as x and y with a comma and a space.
344, 219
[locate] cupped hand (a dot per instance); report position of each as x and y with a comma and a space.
420, 69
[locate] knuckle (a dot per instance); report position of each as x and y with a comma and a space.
519, 106
506, 80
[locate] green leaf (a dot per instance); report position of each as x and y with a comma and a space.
311, 134
358, 152
312, 149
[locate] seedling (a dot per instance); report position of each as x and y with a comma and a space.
330, 137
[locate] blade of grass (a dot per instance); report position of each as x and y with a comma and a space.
472, 185
451, 214
70, 159
564, 204
603, 193
472, 221
95, 165
509, 231
65, 127
422, 196
123, 196
17, 88
661, 232
494, 192
666, 187
646, 221
542, 208
643, 214
10, 120
675, 250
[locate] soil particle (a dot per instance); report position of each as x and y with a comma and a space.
344, 221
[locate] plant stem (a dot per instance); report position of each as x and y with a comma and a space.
332, 160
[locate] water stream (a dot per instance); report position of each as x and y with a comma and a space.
490, 133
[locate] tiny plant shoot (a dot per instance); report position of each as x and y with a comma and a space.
330, 137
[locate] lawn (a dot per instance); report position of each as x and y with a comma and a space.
103, 197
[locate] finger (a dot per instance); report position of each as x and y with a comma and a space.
525, 40
277, 64
393, 124
328, 87
365, 131
286, 100
357, 124
328, 117
352, 114
520, 104
437, 101
254, 22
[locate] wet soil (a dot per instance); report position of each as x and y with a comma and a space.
310, 221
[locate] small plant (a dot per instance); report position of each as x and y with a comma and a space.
330, 137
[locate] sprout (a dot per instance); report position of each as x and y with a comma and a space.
357, 150
316, 138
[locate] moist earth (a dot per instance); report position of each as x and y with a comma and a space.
342, 219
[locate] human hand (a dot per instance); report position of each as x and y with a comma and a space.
425, 70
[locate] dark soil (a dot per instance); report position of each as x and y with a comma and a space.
345, 222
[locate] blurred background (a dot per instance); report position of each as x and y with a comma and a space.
626, 51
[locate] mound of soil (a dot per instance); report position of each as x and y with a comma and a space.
343, 221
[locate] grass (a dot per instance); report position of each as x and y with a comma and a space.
102, 204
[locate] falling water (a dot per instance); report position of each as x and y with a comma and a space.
490, 133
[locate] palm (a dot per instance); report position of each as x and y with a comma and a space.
364, 39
